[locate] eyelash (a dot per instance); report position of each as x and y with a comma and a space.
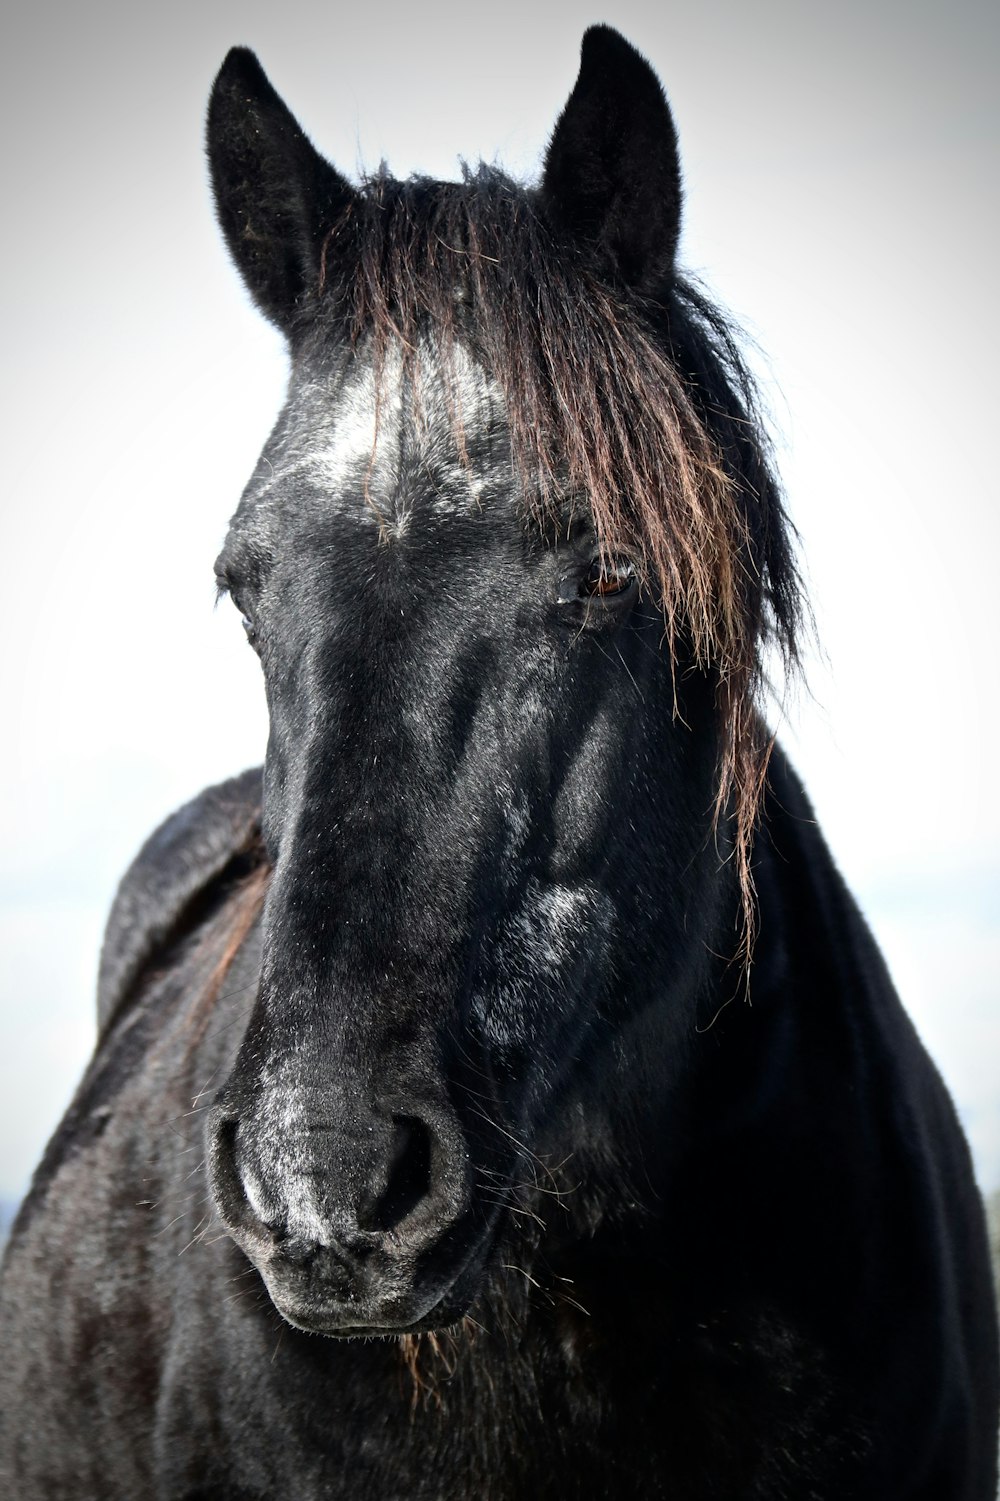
246, 622
224, 589
608, 577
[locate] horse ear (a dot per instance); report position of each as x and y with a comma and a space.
612, 179
275, 196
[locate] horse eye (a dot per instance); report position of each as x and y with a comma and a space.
608, 577
247, 623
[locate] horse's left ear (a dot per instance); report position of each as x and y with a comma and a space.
612, 179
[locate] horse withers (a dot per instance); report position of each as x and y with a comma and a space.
501, 1095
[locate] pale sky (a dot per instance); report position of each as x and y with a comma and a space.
841, 175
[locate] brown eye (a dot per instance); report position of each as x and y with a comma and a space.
607, 577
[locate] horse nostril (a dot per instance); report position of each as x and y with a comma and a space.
229, 1186
408, 1179
226, 1181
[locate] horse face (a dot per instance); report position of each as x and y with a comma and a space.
477, 778
453, 807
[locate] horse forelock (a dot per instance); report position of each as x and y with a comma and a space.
637, 412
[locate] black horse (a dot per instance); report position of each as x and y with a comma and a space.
503, 1097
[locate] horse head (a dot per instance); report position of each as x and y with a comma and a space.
507, 560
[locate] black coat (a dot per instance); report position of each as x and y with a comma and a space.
806, 1313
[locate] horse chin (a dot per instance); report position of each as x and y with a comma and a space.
340, 1323
315, 1305
370, 1318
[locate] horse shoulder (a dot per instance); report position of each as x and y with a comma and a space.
161, 895
92, 1276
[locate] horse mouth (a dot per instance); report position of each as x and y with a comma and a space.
325, 1297
330, 1320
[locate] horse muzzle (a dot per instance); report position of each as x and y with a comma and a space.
359, 1225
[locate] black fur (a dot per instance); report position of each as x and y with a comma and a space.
479, 1079
612, 176
159, 896
280, 195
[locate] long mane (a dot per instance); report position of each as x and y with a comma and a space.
639, 410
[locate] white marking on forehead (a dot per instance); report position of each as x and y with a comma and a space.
346, 438
366, 419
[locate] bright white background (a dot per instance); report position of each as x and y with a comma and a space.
841, 177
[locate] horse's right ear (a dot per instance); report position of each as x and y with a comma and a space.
275, 196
